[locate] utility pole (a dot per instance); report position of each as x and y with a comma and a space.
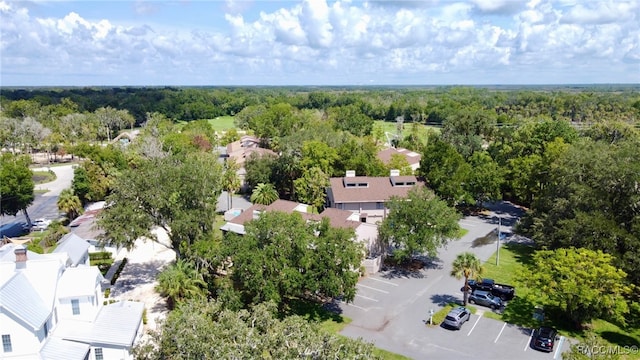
498, 241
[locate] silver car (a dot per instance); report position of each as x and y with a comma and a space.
485, 298
456, 317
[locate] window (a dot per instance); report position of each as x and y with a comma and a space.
98, 353
75, 306
6, 343
379, 205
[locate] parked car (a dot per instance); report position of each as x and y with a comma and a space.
504, 291
40, 224
456, 317
485, 298
544, 338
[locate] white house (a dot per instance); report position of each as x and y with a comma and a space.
51, 307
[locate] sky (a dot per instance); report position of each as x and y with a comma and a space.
318, 42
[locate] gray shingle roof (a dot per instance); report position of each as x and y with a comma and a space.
59, 349
18, 297
75, 246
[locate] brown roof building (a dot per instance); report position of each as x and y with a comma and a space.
366, 195
413, 158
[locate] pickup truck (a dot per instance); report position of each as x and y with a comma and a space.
504, 292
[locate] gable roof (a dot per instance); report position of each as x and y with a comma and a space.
59, 349
337, 218
377, 189
79, 281
18, 297
116, 324
75, 246
411, 156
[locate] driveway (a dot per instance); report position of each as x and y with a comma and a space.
391, 308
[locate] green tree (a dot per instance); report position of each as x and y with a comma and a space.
320, 155
400, 162
16, 185
311, 188
467, 266
70, 204
581, 284
421, 222
176, 194
485, 181
181, 281
446, 171
259, 169
283, 256
208, 331
230, 180
264, 194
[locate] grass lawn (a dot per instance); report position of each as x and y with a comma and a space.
519, 311
391, 127
222, 123
41, 177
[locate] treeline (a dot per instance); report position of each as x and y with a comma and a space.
430, 105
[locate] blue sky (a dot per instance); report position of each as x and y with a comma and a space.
318, 42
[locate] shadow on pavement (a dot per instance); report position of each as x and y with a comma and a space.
445, 299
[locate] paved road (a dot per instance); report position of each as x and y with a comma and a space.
44, 205
391, 308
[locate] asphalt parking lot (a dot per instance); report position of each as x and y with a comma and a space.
480, 337
391, 308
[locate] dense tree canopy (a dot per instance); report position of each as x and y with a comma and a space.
582, 284
178, 194
421, 222
206, 330
282, 256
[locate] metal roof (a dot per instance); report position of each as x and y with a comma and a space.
18, 297
59, 349
116, 324
75, 246
79, 281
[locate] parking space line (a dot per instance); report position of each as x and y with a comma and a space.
500, 333
372, 288
474, 325
355, 306
382, 281
526, 346
367, 298
560, 343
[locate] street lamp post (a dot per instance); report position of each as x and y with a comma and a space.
498, 242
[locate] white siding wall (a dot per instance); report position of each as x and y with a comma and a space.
110, 353
88, 308
23, 341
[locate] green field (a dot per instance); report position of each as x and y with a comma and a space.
222, 123
391, 128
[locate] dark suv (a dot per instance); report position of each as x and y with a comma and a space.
485, 298
456, 317
544, 338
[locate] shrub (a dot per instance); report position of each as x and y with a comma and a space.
100, 255
115, 276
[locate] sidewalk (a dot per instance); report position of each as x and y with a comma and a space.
137, 281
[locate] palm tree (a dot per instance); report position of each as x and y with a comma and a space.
180, 281
230, 180
69, 203
466, 265
264, 194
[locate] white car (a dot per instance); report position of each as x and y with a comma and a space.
40, 224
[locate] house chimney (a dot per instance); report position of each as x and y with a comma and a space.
350, 173
394, 172
21, 256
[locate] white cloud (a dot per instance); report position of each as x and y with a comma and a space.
343, 42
